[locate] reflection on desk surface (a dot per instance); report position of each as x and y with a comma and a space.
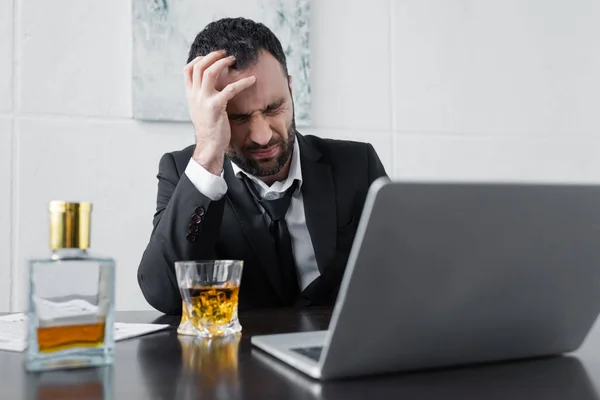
561, 377
182, 367
87, 383
210, 364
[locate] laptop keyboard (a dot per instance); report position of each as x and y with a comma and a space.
314, 353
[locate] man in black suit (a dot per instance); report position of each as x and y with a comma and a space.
252, 188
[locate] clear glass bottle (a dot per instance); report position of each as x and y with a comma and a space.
71, 297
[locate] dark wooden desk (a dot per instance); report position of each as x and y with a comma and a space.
165, 366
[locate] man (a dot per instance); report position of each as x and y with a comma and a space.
252, 188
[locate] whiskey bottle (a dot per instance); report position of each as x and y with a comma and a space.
70, 314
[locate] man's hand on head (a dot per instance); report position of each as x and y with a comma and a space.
207, 107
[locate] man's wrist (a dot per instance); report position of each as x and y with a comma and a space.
210, 160
211, 185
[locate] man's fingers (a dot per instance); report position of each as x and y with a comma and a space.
236, 87
200, 66
212, 73
187, 71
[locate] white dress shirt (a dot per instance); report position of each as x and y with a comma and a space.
214, 187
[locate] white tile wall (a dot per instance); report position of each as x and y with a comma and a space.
350, 47
446, 90
448, 158
6, 57
5, 211
113, 164
76, 57
497, 67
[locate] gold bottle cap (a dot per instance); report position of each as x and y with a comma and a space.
69, 225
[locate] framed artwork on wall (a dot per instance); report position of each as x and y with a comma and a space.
163, 31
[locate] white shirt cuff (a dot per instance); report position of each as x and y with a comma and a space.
212, 186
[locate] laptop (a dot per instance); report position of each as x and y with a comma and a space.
449, 274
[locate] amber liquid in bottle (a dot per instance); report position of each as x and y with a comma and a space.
55, 338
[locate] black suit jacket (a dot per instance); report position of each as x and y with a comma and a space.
336, 177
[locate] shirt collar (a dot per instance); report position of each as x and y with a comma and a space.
295, 173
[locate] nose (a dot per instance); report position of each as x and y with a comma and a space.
260, 131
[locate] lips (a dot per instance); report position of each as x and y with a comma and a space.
265, 153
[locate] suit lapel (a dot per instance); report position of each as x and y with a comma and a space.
318, 193
253, 225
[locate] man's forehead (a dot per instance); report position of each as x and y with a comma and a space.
229, 75
271, 85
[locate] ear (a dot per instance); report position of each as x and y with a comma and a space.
290, 83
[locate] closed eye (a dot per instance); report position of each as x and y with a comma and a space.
274, 107
239, 118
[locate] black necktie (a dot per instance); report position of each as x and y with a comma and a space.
276, 210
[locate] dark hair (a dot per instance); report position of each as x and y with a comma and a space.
240, 37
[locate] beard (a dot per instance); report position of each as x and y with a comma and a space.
265, 167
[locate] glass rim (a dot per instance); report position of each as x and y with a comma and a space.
208, 262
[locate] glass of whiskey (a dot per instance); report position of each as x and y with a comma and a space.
71, 297
209, 292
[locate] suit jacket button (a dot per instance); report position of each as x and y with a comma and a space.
191, 237
200, 211
196, 219
193, 228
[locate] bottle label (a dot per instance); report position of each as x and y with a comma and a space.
71, 311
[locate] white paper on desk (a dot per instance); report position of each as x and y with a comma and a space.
13, 331
127, 331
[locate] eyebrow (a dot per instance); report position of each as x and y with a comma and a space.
271, 107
